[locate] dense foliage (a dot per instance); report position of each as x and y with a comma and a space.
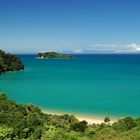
21, 122
54, 55
9, 62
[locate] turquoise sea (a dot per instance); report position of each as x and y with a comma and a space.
90, 84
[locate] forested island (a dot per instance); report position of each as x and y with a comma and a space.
9, 62
53, 55
18, 121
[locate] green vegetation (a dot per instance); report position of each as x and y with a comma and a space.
54, 55
9, 62
27, 122
107, 120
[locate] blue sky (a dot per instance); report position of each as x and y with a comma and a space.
75, 26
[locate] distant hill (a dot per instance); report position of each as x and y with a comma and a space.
9, 62
54, 55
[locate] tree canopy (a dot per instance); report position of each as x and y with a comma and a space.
9, 62
27, 122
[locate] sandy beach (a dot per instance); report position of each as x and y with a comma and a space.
90, 119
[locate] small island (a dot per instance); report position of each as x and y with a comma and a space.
9, 62
55, 55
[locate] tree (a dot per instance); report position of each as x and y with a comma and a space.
79, 126
106, 119
5, 132
124, 124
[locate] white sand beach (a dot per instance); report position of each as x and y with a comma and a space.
90, 119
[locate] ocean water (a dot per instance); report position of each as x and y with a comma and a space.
90, 84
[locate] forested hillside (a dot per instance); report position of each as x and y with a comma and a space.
9, 62
19, 121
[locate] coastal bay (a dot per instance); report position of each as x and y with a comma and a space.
100, 85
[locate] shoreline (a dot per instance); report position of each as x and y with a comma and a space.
91, 119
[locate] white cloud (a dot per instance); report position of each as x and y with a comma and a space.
60, 51
135, 47
103, 48
114, 48
77, 51
105, 45
129, 48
